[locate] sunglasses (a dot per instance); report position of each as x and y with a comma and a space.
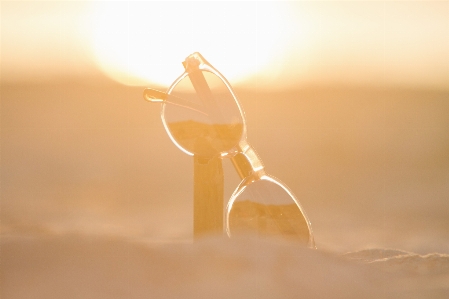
203, 118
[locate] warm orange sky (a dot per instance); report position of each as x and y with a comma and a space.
266, 44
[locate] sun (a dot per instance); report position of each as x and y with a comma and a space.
138, 43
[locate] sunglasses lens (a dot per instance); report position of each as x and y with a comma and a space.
265, 207
203, 126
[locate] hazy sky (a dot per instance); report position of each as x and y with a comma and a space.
266, 44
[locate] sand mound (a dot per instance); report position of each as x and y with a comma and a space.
405, 262
369, 255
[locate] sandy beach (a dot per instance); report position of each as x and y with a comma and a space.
346, 103
97, 201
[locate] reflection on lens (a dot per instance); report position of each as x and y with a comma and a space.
204, 127
266, 208
205, 139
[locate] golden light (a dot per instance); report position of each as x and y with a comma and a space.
145, 42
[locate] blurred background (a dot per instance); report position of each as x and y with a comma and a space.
346, 102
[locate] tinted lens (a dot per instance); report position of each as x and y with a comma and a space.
265, 207
203, 125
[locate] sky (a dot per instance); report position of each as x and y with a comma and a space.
254, 44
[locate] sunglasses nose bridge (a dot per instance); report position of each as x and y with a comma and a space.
247, 162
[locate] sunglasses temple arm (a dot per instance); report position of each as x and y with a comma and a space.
191, 65
156, 96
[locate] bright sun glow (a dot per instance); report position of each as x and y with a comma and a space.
145, 42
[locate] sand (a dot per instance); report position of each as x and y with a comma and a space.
89, 266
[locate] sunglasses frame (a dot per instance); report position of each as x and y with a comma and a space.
244, 158
193, 63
